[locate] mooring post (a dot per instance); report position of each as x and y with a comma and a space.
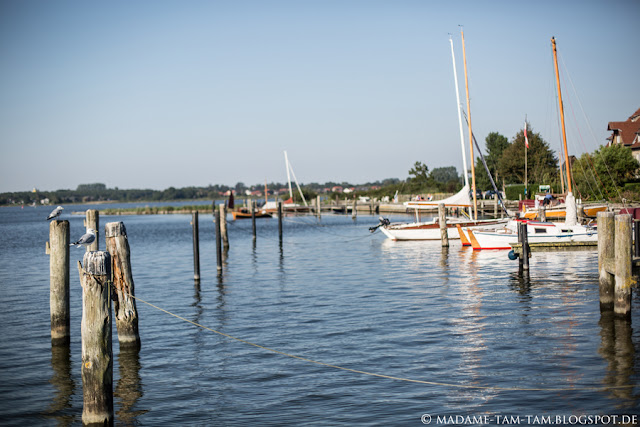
636, 238
218, 240
196, 246
280, 221
580, 213
124, 308
58, 250
223, 225
542, 214
442, 220
525, 247
92, 220
495, 206
606, 258
97, 356
318, 207
354, 210
624, 279
253, 218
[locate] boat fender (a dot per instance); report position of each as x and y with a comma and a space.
513, 256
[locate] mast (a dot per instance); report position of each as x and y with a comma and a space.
286, 161
464, 153
473, 168
564, 134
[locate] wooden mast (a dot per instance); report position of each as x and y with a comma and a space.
564, 134
473, 167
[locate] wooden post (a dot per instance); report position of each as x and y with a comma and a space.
97, 356
218, 240
223, 225
624, 279
93, 221
606, 258
442, 220
525, 248
59, 282
196, 246
318, 207
253, 217
580, 212
495, 206
354, 210
280, 221
125, 310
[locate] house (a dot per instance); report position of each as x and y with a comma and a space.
627, 133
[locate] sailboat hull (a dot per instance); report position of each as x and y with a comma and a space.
431, 230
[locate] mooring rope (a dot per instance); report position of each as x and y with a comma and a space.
373, 374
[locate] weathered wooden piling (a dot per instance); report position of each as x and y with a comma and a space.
606, 259
218, 240
223, 225
318, 207
58, 250
97, 356
495, 206
124, 301
196, 245
542, 213
280, 221
92, 220
354, 208
523, 239
623, 279
253, 218
442, 220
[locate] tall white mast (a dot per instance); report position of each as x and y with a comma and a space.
286, 162
464, 152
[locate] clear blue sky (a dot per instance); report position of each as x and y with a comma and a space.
153, 94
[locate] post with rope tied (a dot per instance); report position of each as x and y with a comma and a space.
97, 355
124, 308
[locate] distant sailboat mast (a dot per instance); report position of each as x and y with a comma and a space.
464, 152
290, 170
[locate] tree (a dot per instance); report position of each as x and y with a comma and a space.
542, 163
602, 174
444, 175
420, 173
495, 144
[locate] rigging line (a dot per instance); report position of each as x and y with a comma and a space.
603, 159
373, 374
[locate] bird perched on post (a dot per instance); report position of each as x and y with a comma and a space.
86, 238
55, 213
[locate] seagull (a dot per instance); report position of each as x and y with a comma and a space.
88, 238
55, 213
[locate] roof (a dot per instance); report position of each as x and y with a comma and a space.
629, 130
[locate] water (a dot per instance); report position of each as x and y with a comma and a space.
334, 294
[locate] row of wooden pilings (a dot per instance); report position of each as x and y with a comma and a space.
105, 276
222, 235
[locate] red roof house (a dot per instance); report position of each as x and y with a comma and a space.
627, 133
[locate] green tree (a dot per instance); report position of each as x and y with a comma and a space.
542, 163
444, 175
602, 174
419, 173
495, 144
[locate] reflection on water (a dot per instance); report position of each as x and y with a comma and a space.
617, 349
128, 389
61, 407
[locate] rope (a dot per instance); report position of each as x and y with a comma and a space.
373, 374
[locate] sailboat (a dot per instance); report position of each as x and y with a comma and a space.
569, 231
430, 230
289, 206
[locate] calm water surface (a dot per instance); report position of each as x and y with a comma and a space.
332, 293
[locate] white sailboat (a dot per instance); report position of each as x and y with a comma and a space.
430, 230
288, 205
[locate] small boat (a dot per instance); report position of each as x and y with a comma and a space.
560, 211
430, 230
245, 213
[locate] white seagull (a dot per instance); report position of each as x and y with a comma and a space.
88, 238
55, 213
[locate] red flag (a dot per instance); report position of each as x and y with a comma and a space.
526, 140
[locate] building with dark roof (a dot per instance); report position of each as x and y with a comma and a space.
627, 133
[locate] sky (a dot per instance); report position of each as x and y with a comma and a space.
154, 94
